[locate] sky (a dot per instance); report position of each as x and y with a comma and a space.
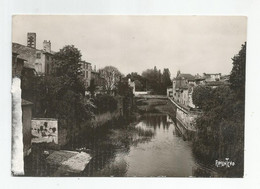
191, 44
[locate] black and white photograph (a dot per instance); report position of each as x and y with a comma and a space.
128, 96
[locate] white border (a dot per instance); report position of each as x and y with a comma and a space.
249, 8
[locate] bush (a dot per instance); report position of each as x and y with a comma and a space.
105, 103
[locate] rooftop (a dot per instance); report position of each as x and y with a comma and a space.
185, 76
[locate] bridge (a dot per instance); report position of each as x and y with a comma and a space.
148, 96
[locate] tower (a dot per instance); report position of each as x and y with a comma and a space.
31, 40
47, 46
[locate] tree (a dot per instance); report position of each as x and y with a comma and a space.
140, 81
156, 81
92, 87
126, 92
112, 76
62, 94
221, 124
201, 96
237, 76
138, 85
68, 69
166, 77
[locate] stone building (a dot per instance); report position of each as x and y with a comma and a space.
40, 60
86, 71
182, 89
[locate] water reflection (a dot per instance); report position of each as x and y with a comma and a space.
151, 147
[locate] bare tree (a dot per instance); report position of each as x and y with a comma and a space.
112, 76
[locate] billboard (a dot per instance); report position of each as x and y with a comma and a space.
44, 130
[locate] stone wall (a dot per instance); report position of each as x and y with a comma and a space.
26, 120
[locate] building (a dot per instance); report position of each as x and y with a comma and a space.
40, 60
86, 71
182, 89
225, 78
131, 84
211, 77
169, 92
17, 65
98, 81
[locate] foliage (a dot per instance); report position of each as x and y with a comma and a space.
67, 68
112, 76
157, 82
105, 103
221, 125
61, 94
140, 82
166, 77
125, 91
237, 76
138, 85
201, 96
92, 87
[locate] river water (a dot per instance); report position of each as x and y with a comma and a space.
150, 147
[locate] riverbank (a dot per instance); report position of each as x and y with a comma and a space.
163, 106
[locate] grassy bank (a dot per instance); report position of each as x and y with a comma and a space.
155, 106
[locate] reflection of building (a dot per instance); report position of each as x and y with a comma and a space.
40, 60
86, 71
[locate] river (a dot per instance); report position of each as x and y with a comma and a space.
150, 147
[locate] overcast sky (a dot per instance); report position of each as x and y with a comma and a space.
191, 44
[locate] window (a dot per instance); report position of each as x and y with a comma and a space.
47, 57
38, 55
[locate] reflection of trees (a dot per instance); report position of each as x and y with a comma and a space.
105, 143
156, 120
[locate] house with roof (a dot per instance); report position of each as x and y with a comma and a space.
182, 89
39, 59
211, 76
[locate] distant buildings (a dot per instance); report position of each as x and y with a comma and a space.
183, 85
212, 76
182, 89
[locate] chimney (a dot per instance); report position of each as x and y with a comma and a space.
47, 46
31, 40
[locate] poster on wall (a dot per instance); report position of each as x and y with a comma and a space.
45, 130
